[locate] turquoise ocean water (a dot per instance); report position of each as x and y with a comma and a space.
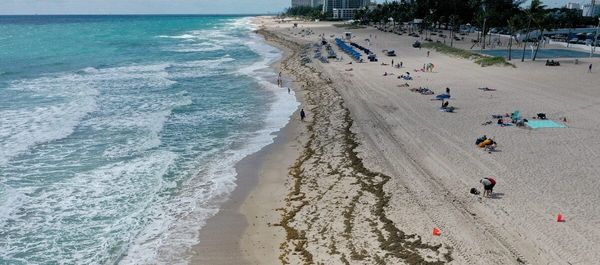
118, 134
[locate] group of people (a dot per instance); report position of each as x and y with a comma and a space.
398, 65
552, 63
428, 67
487, 144
405, 76
279, 80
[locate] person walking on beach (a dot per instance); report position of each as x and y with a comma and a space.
590, 68
401, 63
392, 63
302, 115
448, 90
427, 53
279, 81
488, 186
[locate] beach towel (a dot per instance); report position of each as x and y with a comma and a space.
536, 124
442, 96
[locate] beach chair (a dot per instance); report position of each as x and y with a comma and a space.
515, 116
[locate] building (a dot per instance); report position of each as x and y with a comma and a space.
311, 3
590, 10
573, 6
344, 13
297, 3
329, 5
343, 9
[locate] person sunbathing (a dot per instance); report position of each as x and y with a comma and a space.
480, 140
491, 146
486, 89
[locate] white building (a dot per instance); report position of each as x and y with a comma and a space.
344, 13
343, 9
591, 11
573, 6
311, 3
297, 3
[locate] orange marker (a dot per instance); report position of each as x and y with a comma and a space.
560, 218
436, 231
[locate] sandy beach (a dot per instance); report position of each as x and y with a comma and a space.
375, 167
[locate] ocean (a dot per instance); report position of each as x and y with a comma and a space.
119, 134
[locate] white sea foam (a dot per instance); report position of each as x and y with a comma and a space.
140, 204
95, 210
71, 97
167, 240
196, 47
184, 36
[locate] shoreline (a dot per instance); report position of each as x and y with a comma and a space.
227, 237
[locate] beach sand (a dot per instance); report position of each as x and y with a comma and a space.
376, 167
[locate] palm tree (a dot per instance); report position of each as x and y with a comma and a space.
453, 22
513, 23
535, 10
541, 18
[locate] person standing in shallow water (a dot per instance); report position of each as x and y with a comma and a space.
302, 115
590, 68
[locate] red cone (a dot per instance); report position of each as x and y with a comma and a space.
436, 231
560, 218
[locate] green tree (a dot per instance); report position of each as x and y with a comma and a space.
305, 12
539, 16
514, 24
533, 13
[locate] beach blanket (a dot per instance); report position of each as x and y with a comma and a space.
442, 96
536, 124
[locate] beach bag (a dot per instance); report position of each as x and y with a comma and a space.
474, 191
484, 143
